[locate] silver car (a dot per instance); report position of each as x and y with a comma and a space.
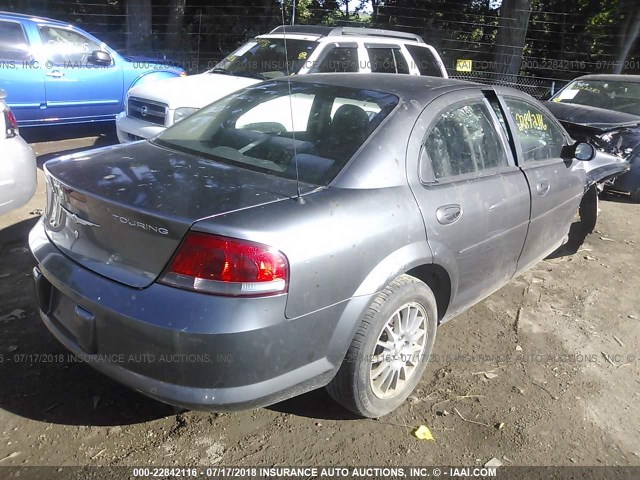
300, 233
18, 169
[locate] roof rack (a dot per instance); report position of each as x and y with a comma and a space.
375, 32
344, 31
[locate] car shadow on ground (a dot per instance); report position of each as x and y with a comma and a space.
316, 404
104, 130
70, 138
40, 379
577, 237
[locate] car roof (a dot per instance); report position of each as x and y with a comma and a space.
611, 77
421, 88
32, 18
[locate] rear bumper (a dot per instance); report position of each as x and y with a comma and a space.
18, 177
130, 129
192, 350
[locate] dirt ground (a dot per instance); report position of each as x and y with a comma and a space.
543, 372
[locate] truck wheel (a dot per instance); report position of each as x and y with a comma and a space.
390, 350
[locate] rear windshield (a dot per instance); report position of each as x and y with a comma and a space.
268, 126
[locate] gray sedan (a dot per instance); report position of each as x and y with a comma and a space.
301, 233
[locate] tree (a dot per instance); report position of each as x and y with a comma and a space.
176, 21
511, 35
139, 19
630, 32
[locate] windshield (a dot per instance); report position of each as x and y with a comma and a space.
268, 126
620, 96
265, 58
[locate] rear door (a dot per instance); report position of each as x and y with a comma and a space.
473, 197
556, 184
20, 75
76, 89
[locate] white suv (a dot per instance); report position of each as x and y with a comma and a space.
18, 170
309, 49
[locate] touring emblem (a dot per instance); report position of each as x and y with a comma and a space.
141, 225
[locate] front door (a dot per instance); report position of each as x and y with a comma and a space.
76, 89
556, 184
473, 197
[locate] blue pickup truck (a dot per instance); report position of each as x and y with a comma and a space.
55, 73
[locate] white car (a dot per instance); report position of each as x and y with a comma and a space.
309, 49
18, 172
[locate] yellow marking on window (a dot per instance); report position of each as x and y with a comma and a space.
530, 121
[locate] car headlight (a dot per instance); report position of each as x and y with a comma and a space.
182, 113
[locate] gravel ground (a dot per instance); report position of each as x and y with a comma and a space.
543, 372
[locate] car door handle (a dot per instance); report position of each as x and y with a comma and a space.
543, 187
448, 214
55, 74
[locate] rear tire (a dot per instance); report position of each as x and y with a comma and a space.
389, 351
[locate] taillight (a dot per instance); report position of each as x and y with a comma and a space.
226, 266
11, 123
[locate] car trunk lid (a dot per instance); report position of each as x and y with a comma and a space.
122, 211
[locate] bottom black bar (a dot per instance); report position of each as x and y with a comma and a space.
295, 472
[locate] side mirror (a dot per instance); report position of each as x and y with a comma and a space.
582, 151
99, 57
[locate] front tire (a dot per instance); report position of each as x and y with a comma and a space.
389, 351
588, 210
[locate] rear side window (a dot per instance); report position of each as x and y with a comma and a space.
464, 141
338, 59
13, 42
539, 135
387, 60
424, 61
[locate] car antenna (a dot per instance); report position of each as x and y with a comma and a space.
299, 198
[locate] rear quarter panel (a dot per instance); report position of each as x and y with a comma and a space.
339, 242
